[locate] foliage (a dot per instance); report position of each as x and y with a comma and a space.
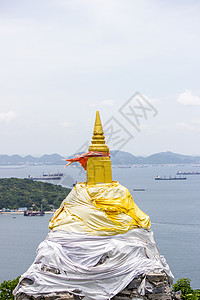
7, 287
183, 285
15, 193
188, 293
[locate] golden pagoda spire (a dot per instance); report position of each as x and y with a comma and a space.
98, 139
98, 168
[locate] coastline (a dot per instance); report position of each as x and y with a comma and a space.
20, 212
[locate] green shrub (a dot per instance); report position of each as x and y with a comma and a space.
6, 289
188, 293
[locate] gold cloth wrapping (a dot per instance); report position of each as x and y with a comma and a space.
100, 209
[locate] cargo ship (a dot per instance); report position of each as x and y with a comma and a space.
187, 173
47, 176
170, 178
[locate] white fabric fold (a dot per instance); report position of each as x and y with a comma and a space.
96, 267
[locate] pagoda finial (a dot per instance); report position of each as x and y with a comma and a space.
99, 167
98, 139
98, 127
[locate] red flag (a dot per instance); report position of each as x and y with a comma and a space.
82, 159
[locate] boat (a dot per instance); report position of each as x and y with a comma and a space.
47, 176
124, 166
138, 190
170, 178
187, 173
32, 213
52, 174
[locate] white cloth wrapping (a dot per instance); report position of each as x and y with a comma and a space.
75, 258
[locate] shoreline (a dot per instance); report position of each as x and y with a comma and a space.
20, 212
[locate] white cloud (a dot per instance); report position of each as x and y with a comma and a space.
65, 124
152, 101
107, 103
144, 127
192, 126
196, 121
188, 99
6, 117
58, 53
184, 125
104, 103
90, 35
7, 28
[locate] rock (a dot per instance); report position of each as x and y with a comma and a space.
134, 284
51, 296
152, 286
156, 277
159, 297
176, 295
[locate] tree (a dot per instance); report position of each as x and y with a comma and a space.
188, 293
6, 289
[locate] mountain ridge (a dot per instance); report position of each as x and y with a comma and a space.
117, 158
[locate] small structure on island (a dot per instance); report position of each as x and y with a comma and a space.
100, 245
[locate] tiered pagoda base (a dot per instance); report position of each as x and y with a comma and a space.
153, 286
100, 246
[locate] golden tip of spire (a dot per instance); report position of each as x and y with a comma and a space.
97, 120
98, 126
98, 139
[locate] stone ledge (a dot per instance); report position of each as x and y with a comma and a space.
51, 296
152, 286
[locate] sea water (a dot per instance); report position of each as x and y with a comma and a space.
173, 207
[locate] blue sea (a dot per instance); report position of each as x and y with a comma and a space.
173, 207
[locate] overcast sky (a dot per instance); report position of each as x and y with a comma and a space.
61, 60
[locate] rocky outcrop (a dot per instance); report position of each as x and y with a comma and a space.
51, 296
152, 286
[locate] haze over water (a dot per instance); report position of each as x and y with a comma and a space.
173, 207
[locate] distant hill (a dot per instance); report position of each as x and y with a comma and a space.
117, 157
171, 158
46, 159
51, 158
17, 193
125, 158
